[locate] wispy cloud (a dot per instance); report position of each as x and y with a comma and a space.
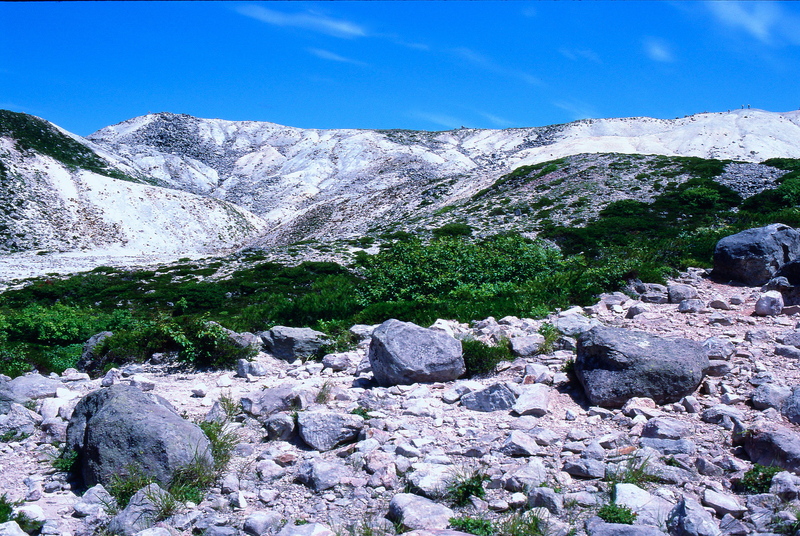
658, 50
443, 120
307, 21
332, 56
577, 109
496, 120
576, 54
488, 64
768, 22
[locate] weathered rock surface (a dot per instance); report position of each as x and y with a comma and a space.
754, 256
324, 430
416, 512
614, 365
292, 343
118, 427
404, 353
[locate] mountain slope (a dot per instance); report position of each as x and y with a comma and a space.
339, 183
61, 193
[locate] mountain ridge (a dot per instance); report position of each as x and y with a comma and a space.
290, 184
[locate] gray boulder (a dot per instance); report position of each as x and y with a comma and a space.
260, 523
496, 397
33, 387
769, 304
573, 325
678, 292
754, 256
404, 353
19, 421
615, 364
310, 529
777, 446
689, 518
120, 427
597, 527
320, 475
534, 400
11, 528
324, 430
666, 428
791, 407
140, 514
770, 395
719, 348
269, 401
290, 343
527, 345
691, 306
416, 512
88, 357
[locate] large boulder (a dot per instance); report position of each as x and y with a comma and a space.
404, 353
324, 430
119, 428
292, 343
778, 446
754, 256
615, 365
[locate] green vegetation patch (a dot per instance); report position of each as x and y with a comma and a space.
33, 134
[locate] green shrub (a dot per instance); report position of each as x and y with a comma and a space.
524, 524
452, 229
758, 479
466, 485
480, 358
6, 509
222, 441
66, 461
124, 485
616, 513
473, 525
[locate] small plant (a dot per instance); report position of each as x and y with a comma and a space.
790, 527
758, 479
324, 393
124, 485
222, 442
13, 435
480, 358
473, 525
617, 513
165, 502
568, 367
525, 524
361, 412
299, 522
6, 509
27, 524
551, 335
466, 485
229, 406
66, 460
635, 471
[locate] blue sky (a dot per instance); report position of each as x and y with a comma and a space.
416, 65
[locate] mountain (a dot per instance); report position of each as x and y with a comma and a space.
176, 184
323, 184
61, 192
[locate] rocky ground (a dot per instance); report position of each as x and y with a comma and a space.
545, 448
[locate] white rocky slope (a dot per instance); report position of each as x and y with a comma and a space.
52, 206
324, 183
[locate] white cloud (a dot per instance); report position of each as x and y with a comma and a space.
307, 21
488, 64
658, 50
446, 121
575, 54
332, 56
496, 120
577, 109
768, 22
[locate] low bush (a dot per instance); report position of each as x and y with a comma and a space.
465, 485
617, 513
480, 358
473, 525
758, 479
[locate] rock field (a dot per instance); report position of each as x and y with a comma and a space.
528, 427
